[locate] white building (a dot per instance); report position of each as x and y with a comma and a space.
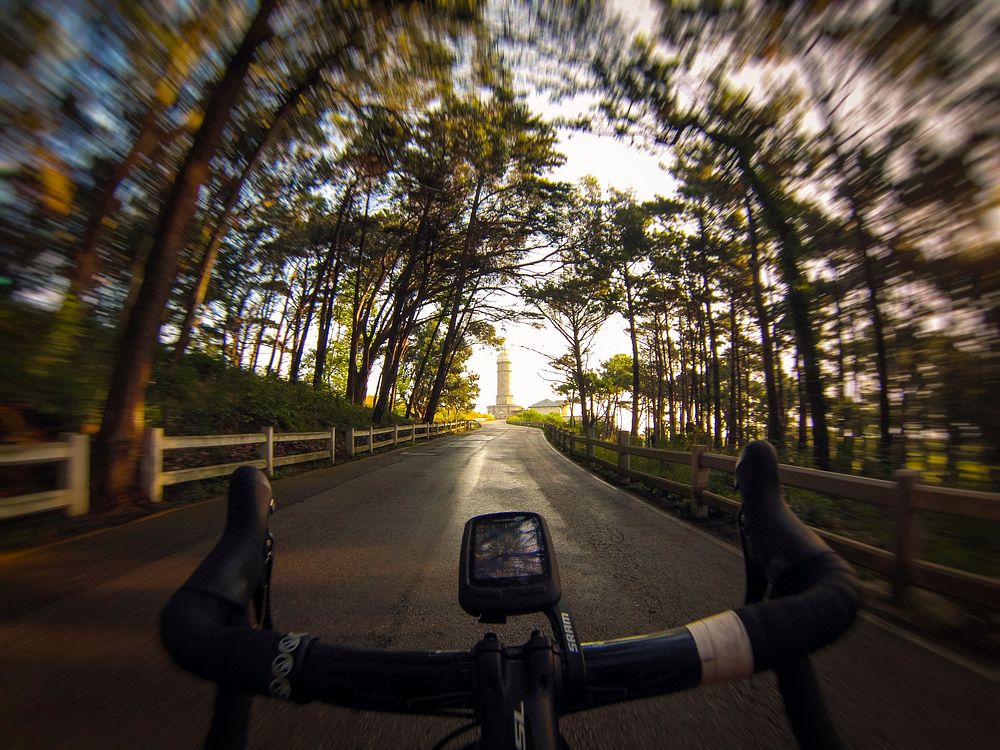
548, 406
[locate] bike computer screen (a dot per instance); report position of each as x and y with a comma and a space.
507, 565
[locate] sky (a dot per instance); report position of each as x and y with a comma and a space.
615, 164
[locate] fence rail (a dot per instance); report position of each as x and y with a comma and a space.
73, 456
904, 498
154, 478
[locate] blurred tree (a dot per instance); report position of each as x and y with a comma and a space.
116, 449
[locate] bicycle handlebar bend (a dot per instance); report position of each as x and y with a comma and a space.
814, 595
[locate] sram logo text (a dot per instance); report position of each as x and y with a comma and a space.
519, 733
570, 635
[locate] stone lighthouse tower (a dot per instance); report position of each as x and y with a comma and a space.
504, 396
505, 405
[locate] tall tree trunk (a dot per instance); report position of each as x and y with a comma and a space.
116, 449
747, 407
390, 367
265, 318
422, 367
281, 320
581, 384
261, 330
660, 365
784, 400
322, 277
799, 297
878, 335
450, 339
634, 338
733, 429
326, 319
671, 381
328, 303
715, 384
774, 429
208, 258
701, 358
862, 244
357, 318
292, 332
803, 405
685, 385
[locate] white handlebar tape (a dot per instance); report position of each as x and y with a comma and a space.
723, 647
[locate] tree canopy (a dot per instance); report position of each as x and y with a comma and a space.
358, 196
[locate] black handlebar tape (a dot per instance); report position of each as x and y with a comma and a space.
428, 682
211, 638
640, 666
825, 600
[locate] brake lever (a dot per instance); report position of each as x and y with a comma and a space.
262, 596
756, 575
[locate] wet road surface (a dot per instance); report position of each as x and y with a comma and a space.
368, 555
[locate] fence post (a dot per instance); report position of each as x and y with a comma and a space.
152, 464
624, 463
349, 441
74, 473
395, 434
371, 440
267, 451
413, 432
699, 481
333, 445
905, 532
590, 445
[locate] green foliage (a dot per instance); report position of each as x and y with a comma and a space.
54, 384
530, 415
46, 395
205, 396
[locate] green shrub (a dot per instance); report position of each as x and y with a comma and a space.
530, 415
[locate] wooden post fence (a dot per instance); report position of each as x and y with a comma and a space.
904, 533
267, 451
699, 481
623, 456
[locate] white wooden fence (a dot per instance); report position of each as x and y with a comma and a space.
398, 434
904, 498
73, 456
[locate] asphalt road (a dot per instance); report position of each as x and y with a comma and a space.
367, 555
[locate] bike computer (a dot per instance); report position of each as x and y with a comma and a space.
508, 566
